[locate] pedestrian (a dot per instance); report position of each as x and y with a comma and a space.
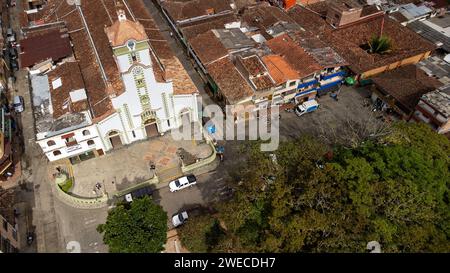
171, 34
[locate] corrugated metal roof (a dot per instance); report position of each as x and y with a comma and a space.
431, 34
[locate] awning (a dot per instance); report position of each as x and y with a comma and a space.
68, 136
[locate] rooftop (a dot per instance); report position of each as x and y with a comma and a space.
264, 16
232, 85
123, 30
440, 100
253, 65
45, 44
437, 68
66, 82
181, 10
321, 52
96, 61
233, 38
346, 5
46, 122
190, 31
406, 85
208, 47
436, 30
349, 41
279, 69
295, 55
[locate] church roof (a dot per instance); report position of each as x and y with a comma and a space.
123, 30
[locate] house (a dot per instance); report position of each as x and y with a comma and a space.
121, 84
401, 89
349, 37
319, 67
434, 109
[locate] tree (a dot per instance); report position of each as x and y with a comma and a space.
380, 44
393, 188
137, 228
201, 234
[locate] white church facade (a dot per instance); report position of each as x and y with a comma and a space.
146, 107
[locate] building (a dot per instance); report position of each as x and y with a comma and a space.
121, 83
9, 236
434, 109
6, 154
401, 89
350, 37
258, 56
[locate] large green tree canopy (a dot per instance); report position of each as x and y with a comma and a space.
137, 228
394, 190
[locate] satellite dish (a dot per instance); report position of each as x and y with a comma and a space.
374, 247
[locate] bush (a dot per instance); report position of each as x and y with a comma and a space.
66, 186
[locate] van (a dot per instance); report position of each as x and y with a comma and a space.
306, 107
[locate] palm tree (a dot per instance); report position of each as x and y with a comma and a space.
380, 44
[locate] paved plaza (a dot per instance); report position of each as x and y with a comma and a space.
130, 165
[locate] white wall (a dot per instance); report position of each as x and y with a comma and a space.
81, 147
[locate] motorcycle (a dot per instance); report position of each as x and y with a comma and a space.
30, 238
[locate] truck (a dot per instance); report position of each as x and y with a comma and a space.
306, 107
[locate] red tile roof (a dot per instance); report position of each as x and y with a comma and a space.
53, 44
347, 41
406, 85
229, 80
71, 79
279, 69
294, 54
208, 47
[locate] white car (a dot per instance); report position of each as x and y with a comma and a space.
18, 104
179, 219
183, 182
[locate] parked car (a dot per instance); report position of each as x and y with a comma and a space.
183, 182
10, 35
306, 107
139, 193
13, 53
14, 65
18, 104
179, 218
